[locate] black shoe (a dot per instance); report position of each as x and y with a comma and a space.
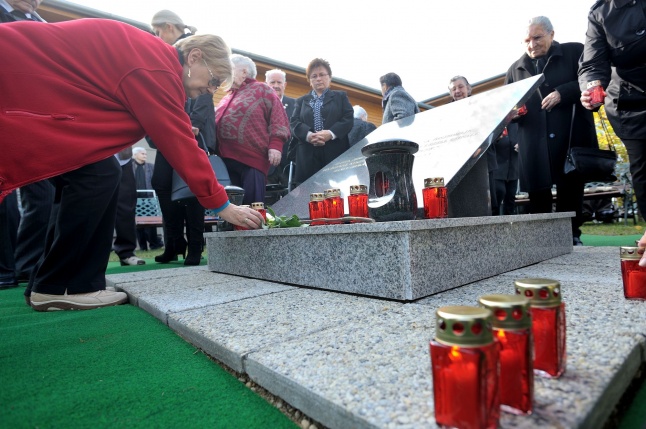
576, 241
194, 255
173, 248
8, 284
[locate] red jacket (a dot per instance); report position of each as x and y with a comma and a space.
77, 92
249, 121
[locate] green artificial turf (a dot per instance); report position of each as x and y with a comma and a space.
114, 367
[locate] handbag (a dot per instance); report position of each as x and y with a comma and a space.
591, 164
179, 188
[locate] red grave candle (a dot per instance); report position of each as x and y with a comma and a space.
464, 363
597, 94
436, 204
522, 110
548, 324
633, 276
358, 201
334, 208
317, 207
512, 328
260, 208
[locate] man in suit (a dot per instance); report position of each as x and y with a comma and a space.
23, 238
277, 79
397, 103
361, 126
143, 172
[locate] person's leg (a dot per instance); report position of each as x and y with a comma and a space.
125, 226
9, 219
36, 199
569, 198
194, 231
540, 201
172, 212
637, 155
509, 198
253, 183
71, 272
142, 238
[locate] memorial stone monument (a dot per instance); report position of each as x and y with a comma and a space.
407, 259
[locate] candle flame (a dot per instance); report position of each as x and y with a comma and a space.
501, 334
455, 355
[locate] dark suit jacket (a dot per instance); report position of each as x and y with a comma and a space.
338, 117
289, 104
8, 17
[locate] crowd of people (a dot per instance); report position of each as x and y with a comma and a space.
163, 90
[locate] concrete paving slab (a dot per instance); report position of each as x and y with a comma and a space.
355, 362
231, 331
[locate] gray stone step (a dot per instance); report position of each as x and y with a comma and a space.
359, 362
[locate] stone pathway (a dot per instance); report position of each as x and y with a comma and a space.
357, 362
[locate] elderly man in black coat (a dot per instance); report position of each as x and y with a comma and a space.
555, 120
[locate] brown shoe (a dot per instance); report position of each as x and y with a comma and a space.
78, 301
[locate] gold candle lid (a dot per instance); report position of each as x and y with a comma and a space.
434, 182
258, 206
593, 83
540, 292
317, 196
630, 253
358, 189
509, 311
333, 192
463, 326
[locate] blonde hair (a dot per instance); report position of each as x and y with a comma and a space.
215, 52
169, 17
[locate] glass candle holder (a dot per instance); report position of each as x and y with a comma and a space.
334, 208
597, 94
317, 207
435, 195
464, 362
548, 324
241, 228
358, 201
260, 208
512, 328
633, 276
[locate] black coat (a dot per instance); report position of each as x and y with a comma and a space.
543, 136
616, 37
507, 155
359, 130
338, 117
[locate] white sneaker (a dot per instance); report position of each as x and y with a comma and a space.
133, 260
78, 301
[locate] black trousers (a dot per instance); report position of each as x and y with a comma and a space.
79, 236
9, 219
173, 213
125, 225
36, 199
637, 155
506, 196
569, 193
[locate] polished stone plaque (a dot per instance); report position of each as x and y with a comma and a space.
451, 139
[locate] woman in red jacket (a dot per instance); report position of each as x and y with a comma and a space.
74, 94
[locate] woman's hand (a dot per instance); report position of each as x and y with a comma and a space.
585, 99
274, 157
242, 216
642, 245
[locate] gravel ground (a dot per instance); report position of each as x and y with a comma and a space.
295, 415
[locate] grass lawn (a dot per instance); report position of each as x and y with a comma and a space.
617, 228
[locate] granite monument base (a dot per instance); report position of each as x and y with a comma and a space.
403, 261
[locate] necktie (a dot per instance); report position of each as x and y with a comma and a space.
316, 103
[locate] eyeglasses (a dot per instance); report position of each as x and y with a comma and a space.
316, 76
214, 82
